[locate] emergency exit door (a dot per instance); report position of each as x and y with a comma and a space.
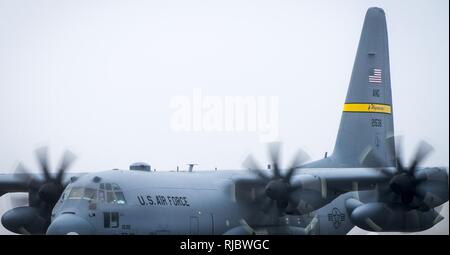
202, 224
194, 225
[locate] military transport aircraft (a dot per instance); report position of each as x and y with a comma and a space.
364, 182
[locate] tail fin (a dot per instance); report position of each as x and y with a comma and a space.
367, 117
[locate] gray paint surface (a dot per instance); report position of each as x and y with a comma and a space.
55, 54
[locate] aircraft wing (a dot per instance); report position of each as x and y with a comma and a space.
358, 179
316, 187
338, 179
10, 183
344, 179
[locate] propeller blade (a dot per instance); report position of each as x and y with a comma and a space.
254, 168
301, 157
274, 153
66, 161
404, 181
423, 150
43, 192
369, 159
42, 157
387, 172
400, 166
390, 145
260, 174
399, 154
250, 163
24, 175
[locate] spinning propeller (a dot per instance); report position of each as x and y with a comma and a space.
49, 189
43, 194
278, 186
404, 180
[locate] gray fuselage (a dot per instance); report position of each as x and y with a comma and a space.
201, 202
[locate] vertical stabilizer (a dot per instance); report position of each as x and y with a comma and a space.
367, 117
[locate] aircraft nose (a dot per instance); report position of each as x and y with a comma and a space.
66, 224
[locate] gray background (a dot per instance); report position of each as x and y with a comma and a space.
97, 77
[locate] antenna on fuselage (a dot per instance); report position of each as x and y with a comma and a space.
191, 167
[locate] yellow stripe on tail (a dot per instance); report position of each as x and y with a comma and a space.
373, 108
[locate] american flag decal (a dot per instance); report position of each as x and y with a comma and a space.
375, 76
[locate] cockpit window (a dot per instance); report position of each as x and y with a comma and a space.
66, 193
107, 193
83, 193
76, 193
111, 194
90, 194
101, 196
110, 197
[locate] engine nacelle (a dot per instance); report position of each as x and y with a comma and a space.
381, 217
433, 191
312, 195
24, 220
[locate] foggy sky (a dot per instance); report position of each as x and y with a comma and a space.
97, 77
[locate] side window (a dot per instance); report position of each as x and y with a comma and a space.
111, 219
106, 219
114, 219
120, 198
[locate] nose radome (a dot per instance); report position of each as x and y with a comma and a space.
70, 224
